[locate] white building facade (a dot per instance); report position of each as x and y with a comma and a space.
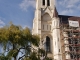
46, 25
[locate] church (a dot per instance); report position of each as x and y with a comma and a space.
59, 34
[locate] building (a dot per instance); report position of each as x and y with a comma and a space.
59, 34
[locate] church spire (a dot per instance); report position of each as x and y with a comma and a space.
55, 14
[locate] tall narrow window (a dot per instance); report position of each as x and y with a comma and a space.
48, 2
55, 43
50, 27
47, 27
43, 27
47, 44
43, 2
59, 50
54, 23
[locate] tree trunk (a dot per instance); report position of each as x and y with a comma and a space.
14, 58
14, 47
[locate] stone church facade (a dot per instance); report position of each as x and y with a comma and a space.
56, 32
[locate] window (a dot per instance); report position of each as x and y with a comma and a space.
48, 2
54, 23
50, 27
58, 39
47, 27
43, 27
47, 44
43, 2
59, 50
55, 43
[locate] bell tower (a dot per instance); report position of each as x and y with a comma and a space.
43, 8
43, 25
45, 3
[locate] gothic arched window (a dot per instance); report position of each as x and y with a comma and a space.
43, 2
48, 2
47, 44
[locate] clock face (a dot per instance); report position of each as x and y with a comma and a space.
46, 17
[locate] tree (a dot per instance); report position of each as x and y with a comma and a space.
18, 39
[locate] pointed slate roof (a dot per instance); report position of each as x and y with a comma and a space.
55, 14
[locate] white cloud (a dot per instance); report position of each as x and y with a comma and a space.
68, 7
73, 2
1, 26
27, 3
1, 22
68, 3
64, 12
24, 26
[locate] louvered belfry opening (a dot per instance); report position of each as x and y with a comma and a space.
48, 2
43, 2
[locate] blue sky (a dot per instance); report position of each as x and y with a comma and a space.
21, 12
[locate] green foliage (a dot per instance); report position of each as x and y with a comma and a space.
33, 56
3, 35
19, 39
27, 58
48, 58
4, 58
15, 34
35, 40
42, 52
12, 53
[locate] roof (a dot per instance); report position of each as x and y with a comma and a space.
64, 19
55, 14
